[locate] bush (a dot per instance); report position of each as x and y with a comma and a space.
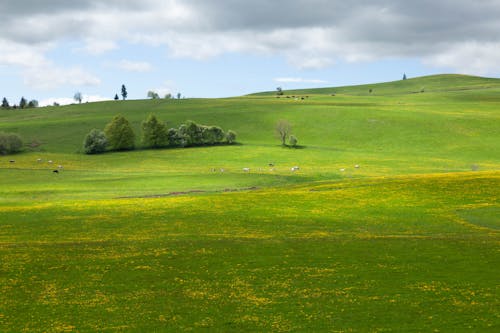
293, 141
212, 135
230, 137
154, 133
10, 143
95, 142
120, 134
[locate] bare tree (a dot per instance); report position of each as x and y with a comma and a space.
78, 97
283, 129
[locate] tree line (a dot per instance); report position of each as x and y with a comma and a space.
118, 135
23, 104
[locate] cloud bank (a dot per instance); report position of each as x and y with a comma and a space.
457, 34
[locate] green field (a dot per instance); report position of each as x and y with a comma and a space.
155, 240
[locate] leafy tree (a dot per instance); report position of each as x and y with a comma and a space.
10, 143
33, 103
230, 137
95, 142
279, 91
293, 141
154, 133
116, 97
178, 95
153, 95
5, 103
168, 96
192, 132
120, 134
23, 103
283, 129
78, 97
212, 135
124, 92
404, 76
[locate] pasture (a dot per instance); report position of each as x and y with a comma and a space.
162, 240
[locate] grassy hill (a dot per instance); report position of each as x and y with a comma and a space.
155, 240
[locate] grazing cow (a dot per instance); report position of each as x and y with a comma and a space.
55, 171
342, 170
12, 161
295, 168
246, 169
59, 166
222, 170
357, 166
39, 160
271, 165
50, 161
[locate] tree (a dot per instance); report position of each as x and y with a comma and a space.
120, 134
230, 137
78, 97
95, 142
116, 97
153, 95
279, 91
293, 141
192, 132
178, 95
168, 96
404, 76
5, 103
154, 133
33, 103
283, 129
10, 143
124, 92
23, 103
212, 135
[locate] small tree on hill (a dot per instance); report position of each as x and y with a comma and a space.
23, 103
230, 137
120, 134
5, 103
95, 142
283, 129
33, 103
404, 76
153, 95
10, 143
78, 97
279, 91
124, 92
116, 97
154, 133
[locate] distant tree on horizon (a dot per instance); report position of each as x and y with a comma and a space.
179, 95
5, 103
124, 92
404, 76
116, 97
78, 97
153, 95
279, 91
22, 103
33, 103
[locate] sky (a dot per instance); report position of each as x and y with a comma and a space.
51, 49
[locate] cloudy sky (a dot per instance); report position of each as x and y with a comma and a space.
50, 49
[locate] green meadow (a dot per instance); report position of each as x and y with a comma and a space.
168, 240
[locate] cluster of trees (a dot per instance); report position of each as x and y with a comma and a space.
119, 135
10, 143
23, 104
154, 95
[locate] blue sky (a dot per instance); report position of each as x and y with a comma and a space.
50, 49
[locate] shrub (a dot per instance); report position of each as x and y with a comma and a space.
120, 134
212, 135
95, 142
154, 133
10, 143
230, 137
293, 141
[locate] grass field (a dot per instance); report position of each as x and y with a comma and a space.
154, 240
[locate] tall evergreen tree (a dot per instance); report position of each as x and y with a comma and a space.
22, 103
5, 103
124, 92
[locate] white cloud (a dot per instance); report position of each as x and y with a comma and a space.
49, 76
134, 66
297, 80
94, 46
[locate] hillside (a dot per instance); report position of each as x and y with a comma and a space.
391, 222
432, 83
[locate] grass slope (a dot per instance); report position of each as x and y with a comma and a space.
406, 242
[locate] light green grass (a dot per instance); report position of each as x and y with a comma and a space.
162, 240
